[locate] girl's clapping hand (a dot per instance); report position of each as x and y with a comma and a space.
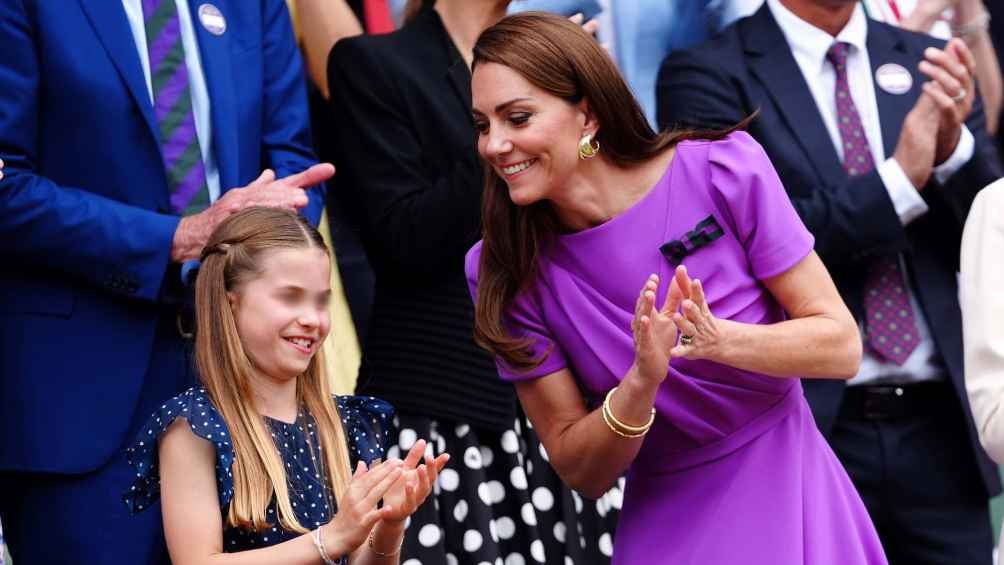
357, 507
414, 484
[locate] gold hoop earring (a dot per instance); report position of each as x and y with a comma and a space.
588, 148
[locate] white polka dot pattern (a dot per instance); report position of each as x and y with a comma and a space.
499, 502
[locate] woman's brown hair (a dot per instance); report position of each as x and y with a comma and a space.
232, 257
557, 56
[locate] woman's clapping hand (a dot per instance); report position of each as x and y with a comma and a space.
654, 330
700, 331
683, 327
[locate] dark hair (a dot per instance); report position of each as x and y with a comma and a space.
557, 56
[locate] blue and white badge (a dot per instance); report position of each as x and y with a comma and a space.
893, 78
212, 19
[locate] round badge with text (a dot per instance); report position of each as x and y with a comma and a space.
212, 19
894, 78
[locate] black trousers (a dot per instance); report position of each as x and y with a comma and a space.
912, 463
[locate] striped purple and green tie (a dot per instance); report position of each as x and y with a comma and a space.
172, 104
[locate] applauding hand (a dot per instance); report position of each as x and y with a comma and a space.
357, 511
654, 330
415, 483
700, 333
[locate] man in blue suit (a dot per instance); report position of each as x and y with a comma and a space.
879, 141
129, 129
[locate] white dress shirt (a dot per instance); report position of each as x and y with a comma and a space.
196, 82
809, 46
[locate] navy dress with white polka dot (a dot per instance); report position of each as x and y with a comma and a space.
367, 422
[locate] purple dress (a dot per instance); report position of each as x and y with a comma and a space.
734, 469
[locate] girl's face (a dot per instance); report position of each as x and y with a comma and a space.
529, 136
282, 314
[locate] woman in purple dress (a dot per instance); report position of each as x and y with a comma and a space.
655, 298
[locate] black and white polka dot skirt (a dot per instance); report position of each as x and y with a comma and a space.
499, 502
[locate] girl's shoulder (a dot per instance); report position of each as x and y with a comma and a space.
205, 421
369, 426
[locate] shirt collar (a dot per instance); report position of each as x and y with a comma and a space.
809, 43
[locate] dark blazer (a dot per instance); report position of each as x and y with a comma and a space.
85, 226
410, 175
749, 67
996, 10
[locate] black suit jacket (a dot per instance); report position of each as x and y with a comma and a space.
411, 179
749, 67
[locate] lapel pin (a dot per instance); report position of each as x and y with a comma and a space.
212, 19
893, 78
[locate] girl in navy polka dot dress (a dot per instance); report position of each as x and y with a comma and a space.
259, 461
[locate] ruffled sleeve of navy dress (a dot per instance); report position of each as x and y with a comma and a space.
367, 422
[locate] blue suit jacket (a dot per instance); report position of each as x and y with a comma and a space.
85, 227
749, 67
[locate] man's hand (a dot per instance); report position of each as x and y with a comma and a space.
917, 143
592, 27
954, 91
288, 192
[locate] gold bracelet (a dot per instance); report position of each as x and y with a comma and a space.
619, 427
379, 554
628, 428
606, 420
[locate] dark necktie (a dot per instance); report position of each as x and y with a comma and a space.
890, 326
172, 104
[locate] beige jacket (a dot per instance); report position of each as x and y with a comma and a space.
981, 295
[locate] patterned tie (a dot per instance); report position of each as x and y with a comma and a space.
172, 104
890, 327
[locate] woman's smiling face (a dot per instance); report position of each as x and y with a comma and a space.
529, 136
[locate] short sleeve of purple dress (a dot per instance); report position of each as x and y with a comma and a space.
734, 469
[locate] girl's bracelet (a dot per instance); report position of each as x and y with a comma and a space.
380, 554
319, 544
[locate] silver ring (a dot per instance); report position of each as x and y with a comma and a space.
960, 96
686, 339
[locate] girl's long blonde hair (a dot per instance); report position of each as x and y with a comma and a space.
232, 257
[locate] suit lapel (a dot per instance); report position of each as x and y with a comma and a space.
112, 28
770, 59
885, 47
214, 51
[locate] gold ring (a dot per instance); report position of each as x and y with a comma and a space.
686, 339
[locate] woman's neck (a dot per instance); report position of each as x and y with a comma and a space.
466, 19
275, 398
602, 190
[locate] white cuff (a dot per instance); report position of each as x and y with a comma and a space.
906, 199
964, 150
